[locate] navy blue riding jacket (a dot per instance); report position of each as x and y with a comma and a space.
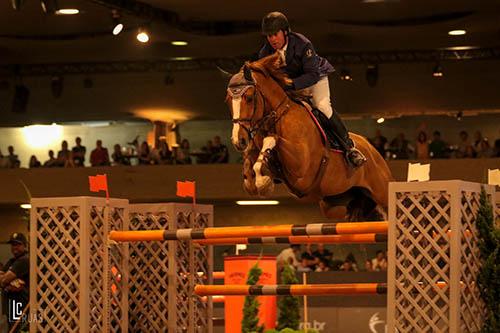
303, 65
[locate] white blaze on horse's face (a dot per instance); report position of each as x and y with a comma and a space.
236, 104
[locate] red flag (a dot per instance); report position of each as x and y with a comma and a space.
186, 189
98, 183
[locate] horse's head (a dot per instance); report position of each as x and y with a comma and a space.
245, 104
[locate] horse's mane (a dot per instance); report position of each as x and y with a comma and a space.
271, 66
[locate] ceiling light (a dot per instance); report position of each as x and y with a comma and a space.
179, 43
457, 32
380, 120
118, 27
25, 206
67, 11
117, 22
181, 58
345, 75
257, 202
142, 36
438, 71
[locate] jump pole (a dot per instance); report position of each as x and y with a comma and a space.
293, 289
313, 229
328, 239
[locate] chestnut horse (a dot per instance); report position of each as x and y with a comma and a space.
272, 130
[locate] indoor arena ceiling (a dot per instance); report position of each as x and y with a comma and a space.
226, 32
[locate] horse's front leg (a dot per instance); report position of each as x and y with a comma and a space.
263, 179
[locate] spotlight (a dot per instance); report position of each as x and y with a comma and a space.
179, 43
438, 71
17, 4
117, 22
458, 32
67, 11
372, 75
143, 36
49, 7
380, 120
57, 86
345, 75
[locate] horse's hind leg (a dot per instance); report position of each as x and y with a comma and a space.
362, 208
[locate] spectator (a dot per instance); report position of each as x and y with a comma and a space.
206, 153
34, 163
63, 155
437, 147
349, 264
4, 161
99, 156
51, 162
145, 154
484, 150
183, 153
13, 159
422, 146
78, 152
304, 266
164, 153
220, 153
322, 253
288, 257
118, 157
379, 142
379, 263
323, 266
309, 257
401, 148
496, 152
464, 148
368, 265
14, 277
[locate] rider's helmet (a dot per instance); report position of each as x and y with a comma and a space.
274, 22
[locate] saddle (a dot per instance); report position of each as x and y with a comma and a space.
321, 121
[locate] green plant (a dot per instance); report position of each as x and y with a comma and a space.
289, 306
250, 322
489, 275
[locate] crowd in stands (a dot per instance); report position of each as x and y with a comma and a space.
424, 147
321, 259
399, 148
213, 152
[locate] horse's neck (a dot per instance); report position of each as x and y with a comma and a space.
274, 95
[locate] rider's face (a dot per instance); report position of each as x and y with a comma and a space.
277, 40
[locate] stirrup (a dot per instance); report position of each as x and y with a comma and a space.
355, 158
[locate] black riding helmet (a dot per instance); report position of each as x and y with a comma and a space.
274, 22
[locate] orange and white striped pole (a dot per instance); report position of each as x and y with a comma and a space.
328, 239
293, 289
313, 229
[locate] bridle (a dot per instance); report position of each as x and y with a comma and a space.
264, 125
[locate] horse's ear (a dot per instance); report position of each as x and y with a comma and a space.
225, 74
247, 73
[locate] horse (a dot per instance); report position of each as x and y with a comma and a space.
281, 142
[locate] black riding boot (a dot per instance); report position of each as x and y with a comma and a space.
353, 155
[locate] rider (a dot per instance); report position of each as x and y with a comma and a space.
307, 70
